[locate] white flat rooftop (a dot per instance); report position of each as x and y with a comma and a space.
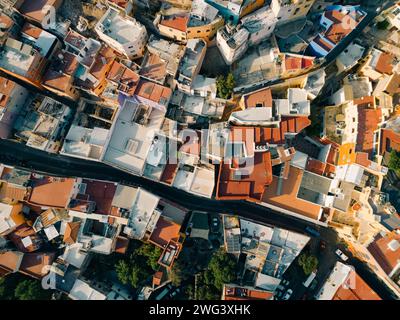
82, 291
120, 29
335, 280
130, 141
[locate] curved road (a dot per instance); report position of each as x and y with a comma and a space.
20, 156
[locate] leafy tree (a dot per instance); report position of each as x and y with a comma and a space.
220, 270
122, 268
223, 268
225, 86
151, 253
139, 266
308, 262
31, 290
394, 162
138, 274
176, 275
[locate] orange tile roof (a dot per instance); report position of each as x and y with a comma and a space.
9, 261
316, 166
71, 232
59, 75
261, 97
341, 25
385, 63
252, 185
31, 30
34, 9
6, 21
56, 80
125, 77
288, 199
120, 3
152, 91
387, 258
277, 135
100, 192
393, 86
23, 231
164, 232
154, 68
298, 62
362, 159
52, 192
75, 39
121, 245
240, 293
390, 140
169, 173
358, 290
178, 22
34, 264
102, 63
14, 192
368, 124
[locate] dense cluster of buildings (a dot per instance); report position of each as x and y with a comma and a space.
133, 95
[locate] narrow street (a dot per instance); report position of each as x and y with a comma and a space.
16, 154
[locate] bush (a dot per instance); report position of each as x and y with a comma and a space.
31, 290
225, 86
220, 270
308, 262
139, 266
394, 162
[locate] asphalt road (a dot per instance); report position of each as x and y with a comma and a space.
20, 156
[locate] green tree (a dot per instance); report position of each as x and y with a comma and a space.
176, 275
221, 269
123, 271
151, 253
308, 262
394, 162
142, 262
138, 274
31, 290
225, 86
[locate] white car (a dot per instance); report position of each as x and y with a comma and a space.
341, 255
288, 294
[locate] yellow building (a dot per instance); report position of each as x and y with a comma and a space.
206, 32
341, 127
251, 6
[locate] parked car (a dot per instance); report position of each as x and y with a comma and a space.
215, 225
288, 294
341, 255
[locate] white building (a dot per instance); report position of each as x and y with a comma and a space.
123, 34
85, 143
82, 291
336, 279
253, 28
132, 136
290, 10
